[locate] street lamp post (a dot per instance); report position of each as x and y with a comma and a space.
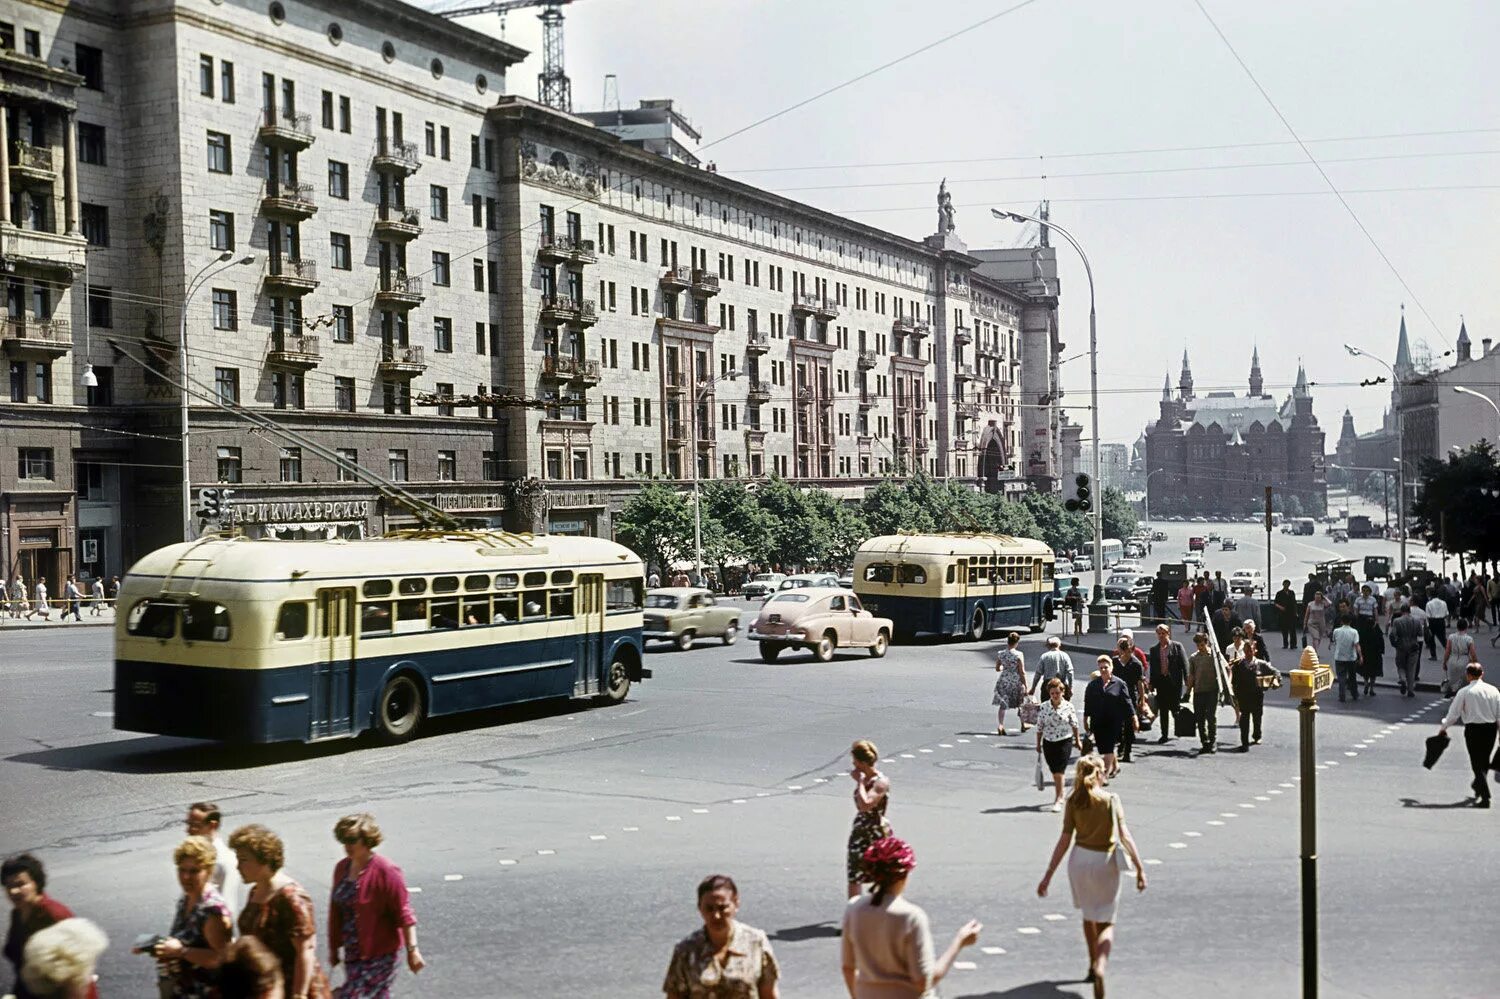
1400, 445
1465, 390
697, 497
1098, 606
223, 262
1148, 491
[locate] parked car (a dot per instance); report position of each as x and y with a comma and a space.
1250, 581
819, 619
1062, 569
1158, 535
1128, 566
762, 585
806, 579
1128, 588
847, 580
1228, 545
683, 614
1083, 564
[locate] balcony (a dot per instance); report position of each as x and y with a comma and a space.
866, 399
757, 342
676, 436
32, 164
291, 276
677, 278
903, 326
921, 330
27, 337
968, 410
705, 282
47, 254
401, 360
868, 359
397, 158
963, 335
675, 382
566, 249
286, 129
564, 310
289, 202
398, 291
706, 434
922, 444
805, 397
571, 369
398, 223
759, 391
808, 303
964, 373
296, 351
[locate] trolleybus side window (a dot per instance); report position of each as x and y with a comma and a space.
913, 574
445, 612
880, 572
507, 608
412, 587
377, 588
205, 621
561, 603
375, 618
445, 584
623, 595
562, 577
476, 610
153, 619
950, 572
291, 621
473, 583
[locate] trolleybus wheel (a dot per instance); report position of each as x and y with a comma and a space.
977, 625
399, 712
877, 651
617, 684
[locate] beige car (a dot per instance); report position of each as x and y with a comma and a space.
682, 614
819, 619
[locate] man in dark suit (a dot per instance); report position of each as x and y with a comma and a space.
1166, 673
1286, 613
1130, 666
1108, 713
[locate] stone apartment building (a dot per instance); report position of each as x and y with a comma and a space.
514, 312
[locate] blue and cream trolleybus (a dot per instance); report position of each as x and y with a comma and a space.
258, 641
955, 584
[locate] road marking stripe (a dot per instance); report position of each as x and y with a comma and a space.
1054, 917
1028, 930
507, 862
545, 853
965, 965
908, 756
1229, 815
1177, 846
453, 877
820, 780
924, 750
1152, 861
1215, 822
1350, 752
700, 811
1261, 797
415, 890
762, 794
630, 829
963, 740
794, 787
1286, 785
674, 818
1243, 804
993, 951
945, 745
1192, 834
596, 837
1275, 790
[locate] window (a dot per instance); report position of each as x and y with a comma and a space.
291, 621
288, 390
554, 464
89, 477
476, 205
101, 306
343, 323
478, 274
439, 198
226, 81
226, 309
343, 393
338, 246
395, 397
345, 116
447, 466
348, 458
206, 75
90, 63
489, 155
230, 465
91, 144
431, 135
442, 332
327, 109
580, 464
489, 467
338, 180
42, 386
445, 144
444, 390
396, 457
474, 151
291, 464
96, 224
220, 230
220, 159
102, 394
440, 271
35, 462
227, 385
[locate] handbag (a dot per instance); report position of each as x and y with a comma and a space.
1184, 720
1041, 772
1030, 710
1119, 856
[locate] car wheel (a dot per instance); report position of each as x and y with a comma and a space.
769, 651
823, 651
398, 713
685, 640
731, 633
882, 642
977, 625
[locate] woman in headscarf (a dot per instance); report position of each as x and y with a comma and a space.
887, 942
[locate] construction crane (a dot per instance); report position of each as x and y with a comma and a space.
553, 88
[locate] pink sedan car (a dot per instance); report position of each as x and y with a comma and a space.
819, 619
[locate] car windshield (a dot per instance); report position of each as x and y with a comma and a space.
662, 601
790, 598
1121, 580
765, 577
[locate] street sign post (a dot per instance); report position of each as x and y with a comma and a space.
1306, 684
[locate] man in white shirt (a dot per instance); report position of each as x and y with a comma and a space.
1437, 624
1477, 708
203, 819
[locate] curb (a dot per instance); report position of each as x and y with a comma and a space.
14, 625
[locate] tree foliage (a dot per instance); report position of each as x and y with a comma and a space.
657, 523
1453, 510
1117, 514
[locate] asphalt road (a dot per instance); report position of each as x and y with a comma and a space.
557, 847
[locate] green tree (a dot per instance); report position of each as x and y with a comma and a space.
735, 528
844, 525
1292, 505
1452, 509
1005, 516
1117, 514
1056, 526
892, 507
799, 537
657, 524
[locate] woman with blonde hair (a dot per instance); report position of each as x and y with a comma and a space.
1094, 821
188, 959
871, 795
369, 913
278, 911
58, 962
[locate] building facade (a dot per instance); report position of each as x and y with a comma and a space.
1435, 419
376, 260
1215, 455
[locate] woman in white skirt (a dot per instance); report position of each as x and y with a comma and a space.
1096, 820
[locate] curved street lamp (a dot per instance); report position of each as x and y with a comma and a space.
1465, 390
1400, 445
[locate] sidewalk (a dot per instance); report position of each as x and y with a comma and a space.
106, 619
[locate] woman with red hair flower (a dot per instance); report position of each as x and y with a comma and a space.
886, 939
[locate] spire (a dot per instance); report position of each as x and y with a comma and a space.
1403, 349
1185, 380
1347, 432
1257, 384
1166, 387
1300, 390
1465, 347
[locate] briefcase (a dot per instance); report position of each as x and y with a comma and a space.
1184, 720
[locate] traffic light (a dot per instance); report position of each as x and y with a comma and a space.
208, 503
1079, 496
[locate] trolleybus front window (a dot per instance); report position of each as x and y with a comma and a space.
291, 622
153, 619
205, 621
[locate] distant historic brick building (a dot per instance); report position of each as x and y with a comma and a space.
1216, 455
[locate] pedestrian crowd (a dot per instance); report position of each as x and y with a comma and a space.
22, 602
228, 887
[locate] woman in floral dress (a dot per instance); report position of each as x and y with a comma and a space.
188, 960
871, 794
278, 912
370, 913
1010, 687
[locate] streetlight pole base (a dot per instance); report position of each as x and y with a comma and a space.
1098, 616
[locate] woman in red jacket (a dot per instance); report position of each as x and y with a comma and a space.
370, 915
32, 911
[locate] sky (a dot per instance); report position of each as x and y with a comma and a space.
1209, 250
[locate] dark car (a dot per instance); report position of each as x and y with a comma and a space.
1128, 588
